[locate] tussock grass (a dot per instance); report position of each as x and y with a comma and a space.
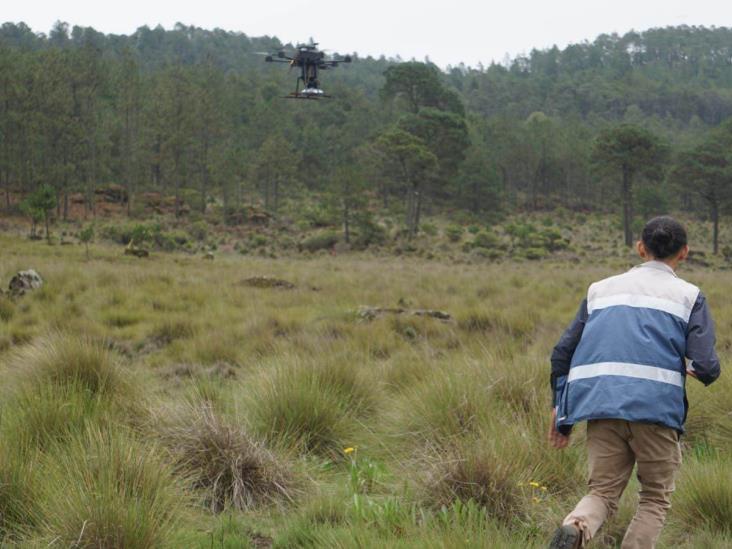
36, 417
311, 406
107, 489
475, 471
452, 413
449, 404
224, 461
704, 495
710, 420
171, 329
20, 480
7, 309
69, 360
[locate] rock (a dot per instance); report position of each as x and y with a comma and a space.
267, 282
137, 252
370, 313
25, 281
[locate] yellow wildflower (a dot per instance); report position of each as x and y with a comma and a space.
349, 450
534, 484
535, 499
543, 488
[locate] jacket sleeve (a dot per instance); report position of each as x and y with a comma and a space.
700, 340
564, 349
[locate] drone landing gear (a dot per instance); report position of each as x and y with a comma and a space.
311, 91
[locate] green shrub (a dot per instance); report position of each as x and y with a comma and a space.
430, 229
198, 230
473, 229
727, 253
553, 240
454, 233
534, 253
487, 253
259, 240
485, 240
171, 241
320, 215
322, 241
367, 232
106, 489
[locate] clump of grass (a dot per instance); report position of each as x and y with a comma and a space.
225, 461
312, 407
449, 404
169, 330
475, 471
38, 416
60, 383
709, 422
704, 495
19, 483
121, 319
217, 346
517, 323
7, 309
63, 360
107, 489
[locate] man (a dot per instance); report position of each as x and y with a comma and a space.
622, 366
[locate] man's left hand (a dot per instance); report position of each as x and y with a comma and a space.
556, 439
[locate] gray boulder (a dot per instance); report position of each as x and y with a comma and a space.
25, 281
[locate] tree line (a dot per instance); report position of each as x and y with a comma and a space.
631, 123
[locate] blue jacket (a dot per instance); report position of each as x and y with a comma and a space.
626, 353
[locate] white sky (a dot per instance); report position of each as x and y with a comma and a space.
448, 31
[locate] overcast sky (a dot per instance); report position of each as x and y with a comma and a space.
448, 31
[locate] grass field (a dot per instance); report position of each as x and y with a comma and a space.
164, 402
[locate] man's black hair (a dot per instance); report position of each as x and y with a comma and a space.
664, 237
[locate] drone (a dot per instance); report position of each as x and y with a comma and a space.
310, 60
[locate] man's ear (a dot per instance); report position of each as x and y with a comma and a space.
641, 249
684, 253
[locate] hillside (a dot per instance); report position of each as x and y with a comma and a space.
197, 115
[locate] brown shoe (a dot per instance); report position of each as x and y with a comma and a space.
566, 537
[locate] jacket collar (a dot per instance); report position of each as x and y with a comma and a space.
657, 265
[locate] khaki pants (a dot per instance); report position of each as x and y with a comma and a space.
613, 447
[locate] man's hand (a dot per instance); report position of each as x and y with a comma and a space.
692, 373
556, 439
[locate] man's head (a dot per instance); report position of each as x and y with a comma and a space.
664, 239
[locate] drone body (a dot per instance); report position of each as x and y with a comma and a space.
310, 61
